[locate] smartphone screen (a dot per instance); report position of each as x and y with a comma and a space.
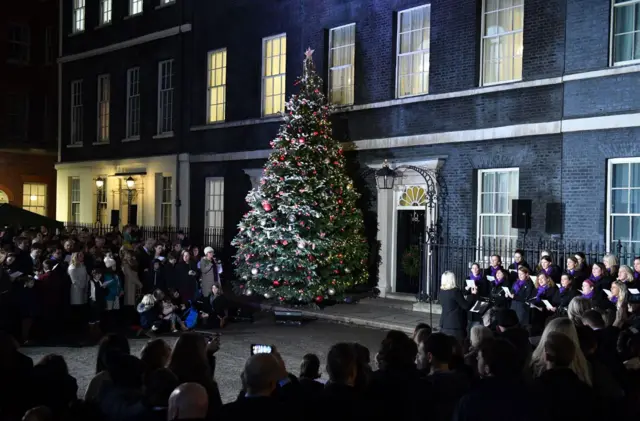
261, 349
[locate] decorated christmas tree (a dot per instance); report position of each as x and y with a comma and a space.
303, 239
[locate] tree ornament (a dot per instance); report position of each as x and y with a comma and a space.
263, 222
319, 298
292, 218
276, 283
331, 291
276, 268
347, 270
248, 292
301, 245
267, 295
254, 271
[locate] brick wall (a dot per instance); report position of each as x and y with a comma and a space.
602, 96
588, 23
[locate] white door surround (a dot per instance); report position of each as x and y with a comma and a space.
388, 206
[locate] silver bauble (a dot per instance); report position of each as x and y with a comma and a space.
245, 277
276, 268
347, 270
292, 218
254, 271
332, 291
248, 292
263, 222
301, 245
267, 295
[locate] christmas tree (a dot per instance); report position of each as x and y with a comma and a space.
303, 239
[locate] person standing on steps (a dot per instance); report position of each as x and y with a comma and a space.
209, 270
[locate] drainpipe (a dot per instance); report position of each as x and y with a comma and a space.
60, 37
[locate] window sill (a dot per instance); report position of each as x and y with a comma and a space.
130, 139
132, 16
104, 25
625, 63
163, 135
505, 82
75, 145
100, 143
163, 5
75, 34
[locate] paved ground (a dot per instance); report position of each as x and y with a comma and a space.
292, 341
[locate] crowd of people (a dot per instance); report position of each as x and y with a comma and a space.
535, 350
75, 285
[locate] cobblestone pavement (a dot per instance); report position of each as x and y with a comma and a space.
292, 342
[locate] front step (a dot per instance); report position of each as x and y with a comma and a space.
400, 302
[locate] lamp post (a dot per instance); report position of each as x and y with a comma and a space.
131, 184
385, 180
99, 187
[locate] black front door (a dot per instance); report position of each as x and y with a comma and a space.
408, 246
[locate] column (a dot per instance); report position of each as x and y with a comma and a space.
385, 215
255, 174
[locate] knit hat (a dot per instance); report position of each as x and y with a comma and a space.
208, 250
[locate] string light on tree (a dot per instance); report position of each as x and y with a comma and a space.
303, 214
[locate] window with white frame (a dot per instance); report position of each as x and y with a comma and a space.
626, 31
214, 208
34, 198
165, 206
105, 12
135, 7
78, 15
19, 43
413, 51
274, 74
76, 112
342, 52
104, 94
49, 45
74, 200
623, 207
502, 30
102, 200
165, 96
133, 103
17, 116
217, 89
496, 189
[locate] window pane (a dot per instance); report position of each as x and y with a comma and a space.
623, 47
624, 19
488, 225
635, 228
620, 177
502, 203
635, 175
621, 228
487, 203
620, 201
488, 182
634, 201
503, 225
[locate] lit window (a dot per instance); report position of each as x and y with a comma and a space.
626, 31
165, 96
274, 52
105, 11
102, 200
217, 90
342, 52
135, 7
496, 189
74, 211
76, 113
623, 207
503, 22
104, 93
34, 198
166, 207
133, 103
214, 207
414, 36
19, 43
78, 15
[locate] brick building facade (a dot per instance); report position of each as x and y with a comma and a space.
522, 99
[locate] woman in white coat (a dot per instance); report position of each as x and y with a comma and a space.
79, 297
132, 284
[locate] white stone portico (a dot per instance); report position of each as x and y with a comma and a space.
389, 203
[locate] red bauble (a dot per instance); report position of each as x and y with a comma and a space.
319, 298
340, 201
281, 298
315, 133
301, 140
276, 283
266, 206
285, 242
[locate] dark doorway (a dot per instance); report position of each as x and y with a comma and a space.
408, 245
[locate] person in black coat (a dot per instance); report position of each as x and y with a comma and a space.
518, 260
495, 265
453, 320
483, 287
309, 375
187, 277
155, 278
550, 269
566, 293
522, 291
572, 269
546, 290
559, 352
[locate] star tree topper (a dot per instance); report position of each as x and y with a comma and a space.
309, 52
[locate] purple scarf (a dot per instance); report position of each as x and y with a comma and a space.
589, 295
614, 300
595, 279
636, 275
519, 284
475, 277
571, 272
497, 281
541, 290
493, 270
547, 271
562, 289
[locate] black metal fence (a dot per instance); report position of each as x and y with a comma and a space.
213, 237
458, 254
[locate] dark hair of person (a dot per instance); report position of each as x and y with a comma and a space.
188, 359
520, 252
310, 367
439, 346
501, 357
126, 371
155, 354
342, 360
418, 328
569, 276
110, 345
547, 259
422, 335
507, 318
158, 385
602, 267
47, 265
588, 340
559, 350
505, 273
582, 256
397, 350
363, 377
593, 318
